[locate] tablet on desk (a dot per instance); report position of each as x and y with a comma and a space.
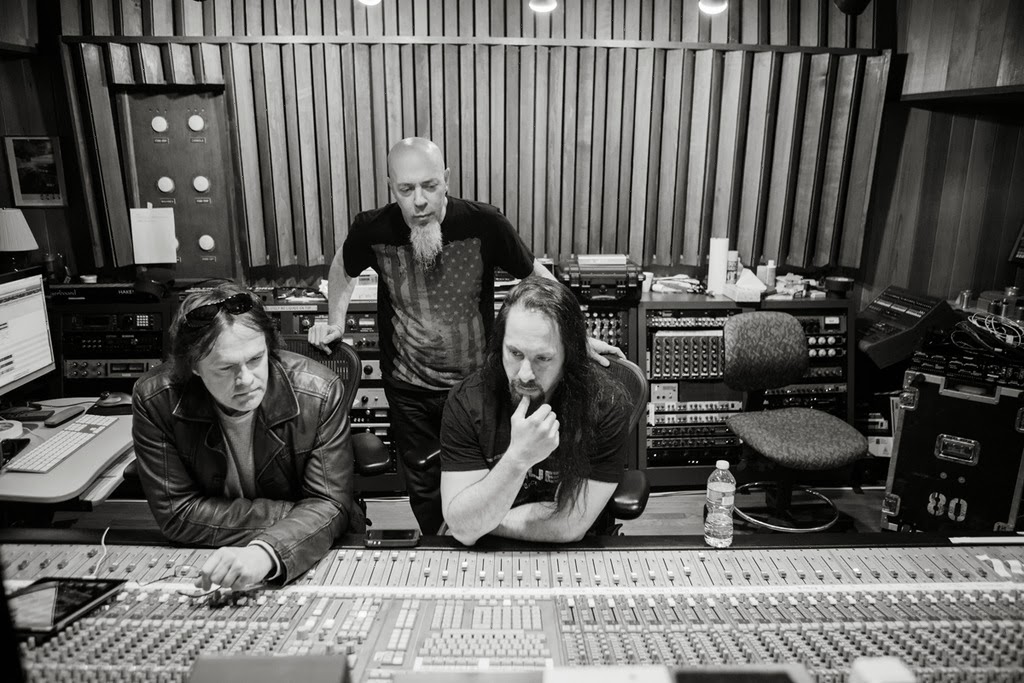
46, 606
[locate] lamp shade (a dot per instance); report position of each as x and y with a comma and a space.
15, 235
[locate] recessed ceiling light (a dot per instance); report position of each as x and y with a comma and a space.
712, 6
371, 3
543, 5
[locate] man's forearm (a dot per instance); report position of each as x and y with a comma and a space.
218, 521
479, 508
340, 288
541, 522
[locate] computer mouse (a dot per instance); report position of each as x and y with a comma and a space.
109, 399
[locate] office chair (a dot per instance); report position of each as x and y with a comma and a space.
371, 456
768, 350
630, 497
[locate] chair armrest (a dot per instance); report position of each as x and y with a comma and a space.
423, 458
371, 455
630, 497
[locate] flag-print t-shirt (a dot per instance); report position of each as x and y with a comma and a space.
434, 322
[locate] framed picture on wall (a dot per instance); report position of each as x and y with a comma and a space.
37, 175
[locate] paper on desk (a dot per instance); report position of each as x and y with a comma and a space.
748, 280
153, 238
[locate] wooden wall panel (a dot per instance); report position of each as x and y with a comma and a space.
100, 115
953, 212
956, 45
760, 140
788, 123
633, 144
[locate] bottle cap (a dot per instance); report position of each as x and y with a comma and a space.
771, 263
722, 464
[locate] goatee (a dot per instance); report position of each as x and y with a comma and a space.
426, 243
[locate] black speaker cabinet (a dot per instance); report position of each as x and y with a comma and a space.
958, 461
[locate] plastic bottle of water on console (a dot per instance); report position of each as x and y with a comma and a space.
720, 501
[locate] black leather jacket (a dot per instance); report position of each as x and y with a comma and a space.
303, 463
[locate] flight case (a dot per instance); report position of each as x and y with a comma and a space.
958, 462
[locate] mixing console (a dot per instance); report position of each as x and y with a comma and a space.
950, 613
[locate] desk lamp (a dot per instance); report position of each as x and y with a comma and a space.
15, 235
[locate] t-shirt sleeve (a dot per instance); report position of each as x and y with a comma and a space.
508, 248
610, 446
356, 250
460, 436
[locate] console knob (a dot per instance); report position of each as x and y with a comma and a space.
201, 183
196, 123
159, 124
207, 243
165, 185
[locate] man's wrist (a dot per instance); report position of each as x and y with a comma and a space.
517, 459
275, 562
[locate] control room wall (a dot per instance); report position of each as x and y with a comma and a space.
607, 126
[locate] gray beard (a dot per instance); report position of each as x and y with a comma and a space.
426, 243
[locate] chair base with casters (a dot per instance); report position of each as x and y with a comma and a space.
795, 439
779, 513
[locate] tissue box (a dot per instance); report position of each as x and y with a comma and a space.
742, 294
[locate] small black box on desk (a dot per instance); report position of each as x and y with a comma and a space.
958, 461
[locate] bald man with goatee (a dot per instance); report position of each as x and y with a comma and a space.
435, 256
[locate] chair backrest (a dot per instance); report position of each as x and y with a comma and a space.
635, 383
371, 455
351, 370
630, 497
764, 350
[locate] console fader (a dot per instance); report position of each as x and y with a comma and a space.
950, 613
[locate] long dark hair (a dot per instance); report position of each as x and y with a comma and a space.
191, 342
585, 393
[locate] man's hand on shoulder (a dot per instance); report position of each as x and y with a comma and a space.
532, 438
596, 347
322, 334
235, 568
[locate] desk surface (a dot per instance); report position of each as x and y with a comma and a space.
73, 476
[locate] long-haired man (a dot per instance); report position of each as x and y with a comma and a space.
533, 444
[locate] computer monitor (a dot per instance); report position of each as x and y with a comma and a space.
26, 351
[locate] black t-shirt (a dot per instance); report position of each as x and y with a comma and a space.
476, 430
434, 324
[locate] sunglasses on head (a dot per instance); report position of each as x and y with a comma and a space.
235, 305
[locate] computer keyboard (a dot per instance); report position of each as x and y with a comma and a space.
58, 447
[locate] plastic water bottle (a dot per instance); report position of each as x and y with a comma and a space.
721, 497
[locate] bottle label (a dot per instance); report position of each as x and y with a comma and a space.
721, 494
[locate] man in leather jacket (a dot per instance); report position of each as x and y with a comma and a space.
244, 446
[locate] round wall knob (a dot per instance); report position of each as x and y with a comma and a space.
201, 183
206, 243
196, 123
159, 124
165, 184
